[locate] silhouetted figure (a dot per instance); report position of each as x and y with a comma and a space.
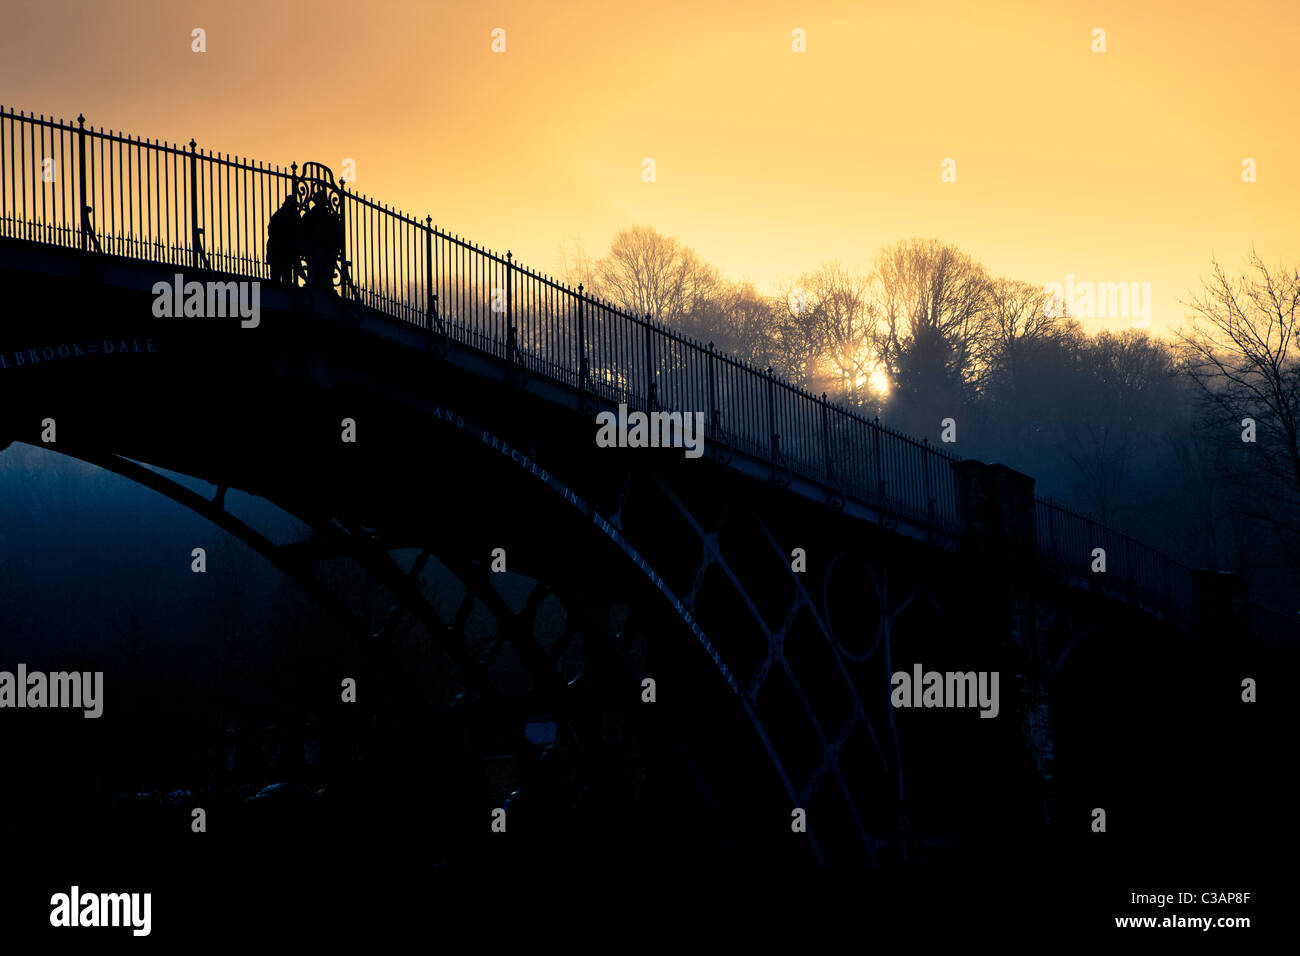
282, 249
322, 241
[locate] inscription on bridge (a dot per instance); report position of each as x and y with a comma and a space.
72, 350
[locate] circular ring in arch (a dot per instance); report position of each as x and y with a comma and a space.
857, 657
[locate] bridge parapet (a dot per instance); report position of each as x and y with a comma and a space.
997, 507
184, 207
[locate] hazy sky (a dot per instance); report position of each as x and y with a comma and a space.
1122, 166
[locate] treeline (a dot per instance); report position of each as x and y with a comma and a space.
1189, 444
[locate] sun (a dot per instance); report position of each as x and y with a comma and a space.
870, 377
878, 380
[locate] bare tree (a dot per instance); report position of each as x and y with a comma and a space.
1241, 350
1121, 398
646, 273
931, 292
577, 268
841, 327
797, 337
741, 323
1018, 318
934, 302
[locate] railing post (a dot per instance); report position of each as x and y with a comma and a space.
715, 415
195, 233
345, 264
81, 180
430, 297
880, 475
826, 439
649, 369
582, 345
925, 469
771, 414
296, 272
510, 321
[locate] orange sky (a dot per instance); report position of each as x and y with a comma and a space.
1115, 166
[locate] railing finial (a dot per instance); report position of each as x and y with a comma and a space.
81, 120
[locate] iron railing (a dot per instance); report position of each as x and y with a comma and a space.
1069, 540
98, 190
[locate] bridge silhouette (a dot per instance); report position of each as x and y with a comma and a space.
465, 372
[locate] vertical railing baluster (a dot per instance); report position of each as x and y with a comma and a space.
582, 345
510, 320
345, 258
649, 368
715, 416
826, 439
194, 205
81, 181
880, 475
925, 468
430, 296
771, 414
